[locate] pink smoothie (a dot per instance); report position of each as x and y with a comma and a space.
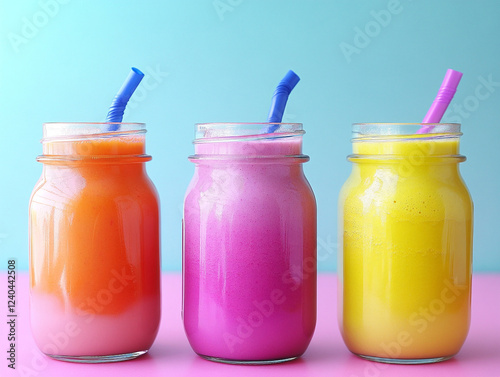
249, 245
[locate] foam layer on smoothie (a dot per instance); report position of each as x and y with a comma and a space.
125, 145
407, 145
252, 146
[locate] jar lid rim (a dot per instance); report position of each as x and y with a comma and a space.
72, 131
361, 130
234, 131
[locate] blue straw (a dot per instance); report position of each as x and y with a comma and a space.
115, 113
280, 97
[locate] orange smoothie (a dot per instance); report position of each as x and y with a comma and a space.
405, 220
94, 249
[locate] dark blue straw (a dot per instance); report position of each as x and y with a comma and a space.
117, 108
280, 97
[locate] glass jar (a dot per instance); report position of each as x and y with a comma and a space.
94, 244
405, 231
249, 245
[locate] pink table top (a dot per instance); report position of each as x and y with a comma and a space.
171, 354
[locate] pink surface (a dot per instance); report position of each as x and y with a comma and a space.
171, 354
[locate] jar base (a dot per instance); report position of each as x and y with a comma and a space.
404, 361
247, 362
98, 359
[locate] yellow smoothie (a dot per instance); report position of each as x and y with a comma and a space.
405, 221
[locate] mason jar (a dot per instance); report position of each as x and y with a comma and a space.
249, 245
405, 231
94, 244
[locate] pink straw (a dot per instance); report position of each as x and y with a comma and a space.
445, 95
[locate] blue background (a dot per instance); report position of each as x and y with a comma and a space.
217, 60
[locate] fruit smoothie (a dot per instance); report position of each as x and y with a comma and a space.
405, 220
249, 260
94, 249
